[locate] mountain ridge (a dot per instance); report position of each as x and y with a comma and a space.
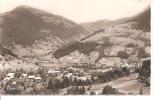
25, 24
144, 22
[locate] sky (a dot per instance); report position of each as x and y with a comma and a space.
82, 10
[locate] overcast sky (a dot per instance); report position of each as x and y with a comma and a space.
82, 10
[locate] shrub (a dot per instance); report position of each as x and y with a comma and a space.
144, 72
92, 93
142, 53
125, 70
76, 90
123, 54
130, 45
109, 90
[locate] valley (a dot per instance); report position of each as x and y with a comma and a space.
46, 54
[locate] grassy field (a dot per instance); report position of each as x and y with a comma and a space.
128, 85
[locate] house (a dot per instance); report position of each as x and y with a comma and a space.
14, 83
24, 75
82, 78
76, 74
13, 89
50, 71
31, 77
7, 79
65, 72
105, 70
69, 75
37, 79
10, 75
124, 65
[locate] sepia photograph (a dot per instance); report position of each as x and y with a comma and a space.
75, 47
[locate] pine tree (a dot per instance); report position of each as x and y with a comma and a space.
141, 91
109, 90
50, 84
83, 90
92, 78
92, 93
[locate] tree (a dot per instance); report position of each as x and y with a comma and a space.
31, 73
92, 93
142, 53
50, 84
18, 73
130, 45
41, 72
126, 70
141, 91
92, 78
75, 82
82, 90
74, 90
109, 90
106, 42
144, 72
123, 54
66, 82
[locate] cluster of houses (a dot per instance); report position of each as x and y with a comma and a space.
68, 71
33, 79
65, 73
11, 76
61, 74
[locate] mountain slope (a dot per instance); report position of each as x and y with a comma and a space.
24, 25
127, 40
143, 20
102, 24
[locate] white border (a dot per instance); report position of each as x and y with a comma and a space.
92, 97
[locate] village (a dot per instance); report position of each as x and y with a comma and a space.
45, 80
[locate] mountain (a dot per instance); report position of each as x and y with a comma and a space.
53, 37
24, 25
102, 24
124, 40
143, 20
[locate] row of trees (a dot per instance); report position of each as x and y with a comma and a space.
76, 90
112, 74
83, 47
109, 90
55, 84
